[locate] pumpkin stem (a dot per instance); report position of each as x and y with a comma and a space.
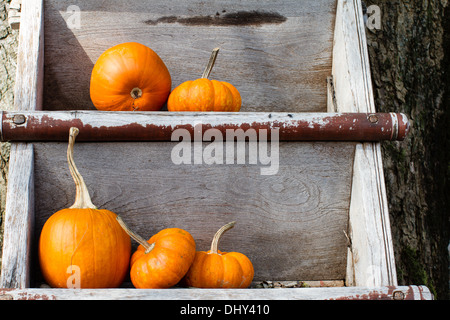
218, 235
147, 246
212, 60
82, 198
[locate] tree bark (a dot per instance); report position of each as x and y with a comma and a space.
409, 62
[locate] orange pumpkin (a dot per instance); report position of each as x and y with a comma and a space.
130, 77
204, 94
82, 246
163, 260
216, 269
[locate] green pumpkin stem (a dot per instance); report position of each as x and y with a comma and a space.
218, 235
147, 246
82, 198
212, 60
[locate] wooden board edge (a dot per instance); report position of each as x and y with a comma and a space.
342, 293
19, 218
19, 207
371, 260
29, 83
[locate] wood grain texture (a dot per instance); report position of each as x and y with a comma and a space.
277, 53
19, 219
291, 225
30, 58
372, 261
349, 293
19, 207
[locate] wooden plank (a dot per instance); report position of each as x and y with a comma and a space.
290, 224
30, 58
19, 218
277, 53
19, 208
372, 259
349, 293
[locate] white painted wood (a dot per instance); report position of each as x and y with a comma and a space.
19, 218
276, 66
30, 58
373, 262
19, 208
227, 296
369, 224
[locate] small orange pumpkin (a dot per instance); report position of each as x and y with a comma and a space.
82, 246
216, 269
130, 77
204, 94
163, 260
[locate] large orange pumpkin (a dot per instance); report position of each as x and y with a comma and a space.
163, 260
204, 94
130, 77
82, 246
216, 269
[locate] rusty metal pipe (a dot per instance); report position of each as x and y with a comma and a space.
104, 126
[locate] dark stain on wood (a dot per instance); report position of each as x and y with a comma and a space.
240, 18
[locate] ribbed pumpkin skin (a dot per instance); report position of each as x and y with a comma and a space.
124, 67
220, 270
204, 95
166, 264
88, 238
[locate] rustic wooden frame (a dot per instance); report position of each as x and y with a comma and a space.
336, 293
373, 264
371, 269
19, 211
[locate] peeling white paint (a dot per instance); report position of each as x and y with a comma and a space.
99, 119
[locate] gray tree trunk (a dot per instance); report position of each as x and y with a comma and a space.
410, 64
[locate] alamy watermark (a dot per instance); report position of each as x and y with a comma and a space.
372, 17
236, 146
73, 17
74, 279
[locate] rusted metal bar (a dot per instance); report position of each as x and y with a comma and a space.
104, 126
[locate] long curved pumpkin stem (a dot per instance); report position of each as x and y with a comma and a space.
212, 60
82, 198
218, 235
147, 246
